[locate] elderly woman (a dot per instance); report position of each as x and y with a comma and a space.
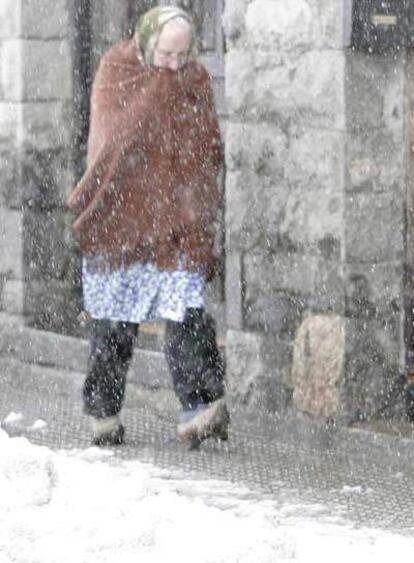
146, 208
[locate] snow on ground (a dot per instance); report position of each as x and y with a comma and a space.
89, 507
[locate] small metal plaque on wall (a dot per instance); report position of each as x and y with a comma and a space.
382, 26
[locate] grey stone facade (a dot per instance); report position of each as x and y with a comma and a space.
316, 211
36, 92
318, 180
285, 145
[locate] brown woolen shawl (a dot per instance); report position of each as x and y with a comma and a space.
154, 152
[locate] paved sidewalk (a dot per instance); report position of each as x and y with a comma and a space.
365, 477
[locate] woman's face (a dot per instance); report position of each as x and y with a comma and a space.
173, 47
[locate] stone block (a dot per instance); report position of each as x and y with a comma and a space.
373, 384
280, 272
52, 305
244, 210
12, 300
272, 94
36, 70
251, 381
11, 242
10, 184
11, 75
263, 212
307, 223
375, 92
10, 116
275, 314
261, 147
374, 228
329, 291
47, 70
315, 160
309, 91
298, 25
239, 80
318, 88
374, 291
318, 365
279, 286
47, 176
266, 60
47, 252
282, 25
330, 248
376, 161
46, 125
233, 20
10, 19
44, 19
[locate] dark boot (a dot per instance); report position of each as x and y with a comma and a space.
194, 361
212, 421
197, 371
112, 346
107, 431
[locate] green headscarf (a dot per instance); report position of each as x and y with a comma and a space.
151, 23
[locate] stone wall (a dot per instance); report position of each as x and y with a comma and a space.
11, 217
285, 76
36, 93
316, 212
375, 232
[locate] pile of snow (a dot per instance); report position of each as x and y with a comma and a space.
90, 507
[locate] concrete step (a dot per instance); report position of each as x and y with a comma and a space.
35, 346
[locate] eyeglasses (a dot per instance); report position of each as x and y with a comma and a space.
165, 56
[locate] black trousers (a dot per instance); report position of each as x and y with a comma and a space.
191, 352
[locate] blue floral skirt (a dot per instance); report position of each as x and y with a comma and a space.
140, 292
